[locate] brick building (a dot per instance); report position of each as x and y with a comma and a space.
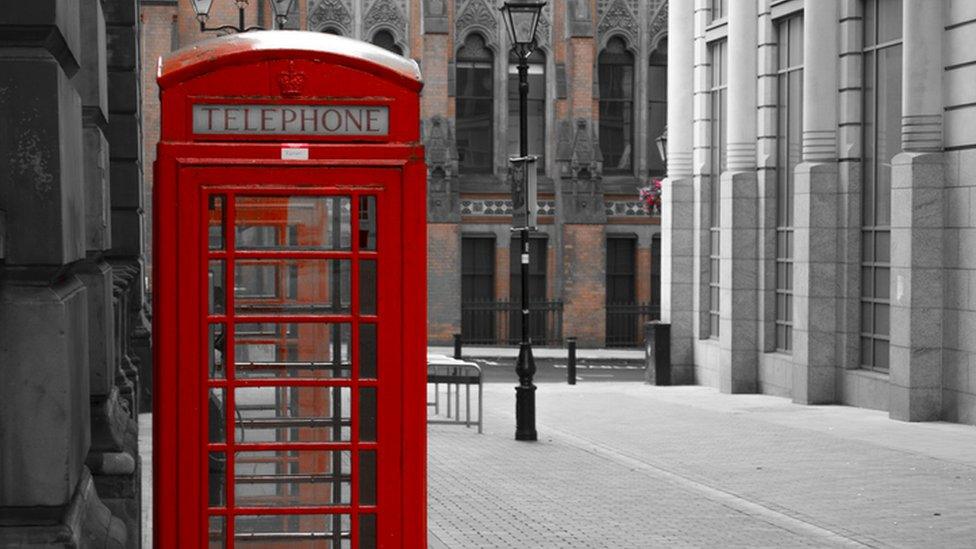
74, 334
597, 103
819, 227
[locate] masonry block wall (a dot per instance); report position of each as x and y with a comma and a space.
868, 299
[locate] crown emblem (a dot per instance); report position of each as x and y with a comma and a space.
291, 81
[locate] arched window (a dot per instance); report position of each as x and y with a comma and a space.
332, 30
536, 106
474, 106
657, 107
385, 40
616, 74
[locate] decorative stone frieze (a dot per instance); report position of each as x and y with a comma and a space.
386, 15
477, 15
327, 14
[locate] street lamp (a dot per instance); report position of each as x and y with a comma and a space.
521, 19
662, 144
202, 9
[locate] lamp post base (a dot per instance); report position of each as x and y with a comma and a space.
525, 396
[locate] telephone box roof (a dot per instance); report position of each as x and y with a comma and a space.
206, 55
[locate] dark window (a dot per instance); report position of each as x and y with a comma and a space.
788, 146
622, 322
719, 9
477, 286
657, 107
537, 286
536, 107
474, 105
385, 40
616, 74
882, 141
718, 96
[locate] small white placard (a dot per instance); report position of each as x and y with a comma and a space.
294, 153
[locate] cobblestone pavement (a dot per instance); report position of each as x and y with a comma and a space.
630, 465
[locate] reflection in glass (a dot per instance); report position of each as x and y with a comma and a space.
215, 283
367, 223
215, 222
292, 478
215, 354
292, 414
216, 418
216, 467
216, 532
292, 286
292, 531
293, 222
305, 350
367, 351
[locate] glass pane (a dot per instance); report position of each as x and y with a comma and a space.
291, 286
216, 222
889, 20
888, 127
216, 478
367, 531
867, 347
367, 351
215, 283
216, 532
292, 478
367, 287
867, 323
367, 477
881, 354
867, 282
217, 419
881, 320
321, 222
881, 283
292, 531
882, 246
296, 350
215, 353
367, 223
871, 22
292, 414
867, 246
367, 414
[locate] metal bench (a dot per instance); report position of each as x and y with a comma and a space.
454, 373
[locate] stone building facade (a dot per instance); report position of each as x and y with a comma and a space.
819, 228
597, 104
74, 329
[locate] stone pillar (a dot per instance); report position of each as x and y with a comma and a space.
677, 212
579, 194
815, 207
917, 220
739, 196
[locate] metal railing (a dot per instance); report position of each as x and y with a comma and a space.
500, 322
625, 323
453, 374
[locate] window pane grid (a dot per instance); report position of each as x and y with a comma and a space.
882, 140
719, 106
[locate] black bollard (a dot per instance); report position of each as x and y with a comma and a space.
571, 363
457, 346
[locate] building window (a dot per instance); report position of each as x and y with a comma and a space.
475, 107
332, 30
622, 320
718, 97
477, 287
616, 74
536, 106
719, 9
789, 137
385, 40
657, 107
882, 141
538, 256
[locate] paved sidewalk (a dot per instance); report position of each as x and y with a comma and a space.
631, 465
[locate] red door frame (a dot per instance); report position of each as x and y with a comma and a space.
188, 168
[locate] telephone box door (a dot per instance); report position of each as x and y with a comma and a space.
289, 404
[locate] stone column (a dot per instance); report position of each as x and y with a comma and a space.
917, 219
443, 197
815, 208
739, 196
677, 212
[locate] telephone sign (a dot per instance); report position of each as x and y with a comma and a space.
289, 247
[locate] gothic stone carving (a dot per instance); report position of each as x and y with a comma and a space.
386, 14
330, 13
478, 14
579, 195
441, 156
616, 16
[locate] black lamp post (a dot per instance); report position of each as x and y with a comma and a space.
521, 20
202, 8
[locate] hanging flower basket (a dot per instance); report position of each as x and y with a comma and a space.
650, 197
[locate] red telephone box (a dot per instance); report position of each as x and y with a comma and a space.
289, 296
